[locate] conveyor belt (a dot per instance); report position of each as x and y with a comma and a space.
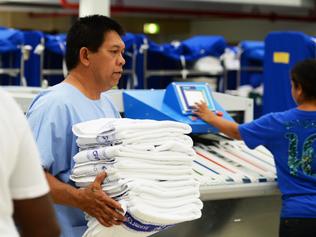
229, 169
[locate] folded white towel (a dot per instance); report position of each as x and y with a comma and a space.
88, 176
83, 181
187, 209
111, 153
152, 192
148, 124
151, 138
130, 133
132, 228
148, 198
114, 187
122, 150
186, 140
133, 165
107, 131
156, 161
176, 147
119, 168
156, 177
93, 128
92, 168
164, 218
96, 154
117, 195
168, 203
168, 191
163, 184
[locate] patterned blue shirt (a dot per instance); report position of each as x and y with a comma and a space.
290, 136
51, 116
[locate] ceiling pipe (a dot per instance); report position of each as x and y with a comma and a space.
211, 13
51, 14
205, 13
69, 5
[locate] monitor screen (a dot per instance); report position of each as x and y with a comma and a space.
194, 96
193, 93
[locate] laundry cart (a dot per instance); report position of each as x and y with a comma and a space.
33, 64
282, 51
231, 65
251, 72
52, 51
251, 63
164, 63
13, 54
244, 64
243, 71
133, 61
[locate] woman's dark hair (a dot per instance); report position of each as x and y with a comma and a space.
88, 32
304, 74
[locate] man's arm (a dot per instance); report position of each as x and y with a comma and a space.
35, 217
91, 199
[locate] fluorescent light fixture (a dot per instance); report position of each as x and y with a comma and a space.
151, 28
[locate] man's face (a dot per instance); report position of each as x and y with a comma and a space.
107, 63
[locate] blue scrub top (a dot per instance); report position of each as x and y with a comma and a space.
51, 117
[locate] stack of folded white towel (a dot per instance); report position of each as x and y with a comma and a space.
149, 167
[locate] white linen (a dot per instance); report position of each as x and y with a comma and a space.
149, 166
92, 128
109, 131
165, 151
153, 138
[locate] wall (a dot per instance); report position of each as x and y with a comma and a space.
22, 20
170, 28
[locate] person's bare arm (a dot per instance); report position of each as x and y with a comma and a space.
90, 199
35, 217
229, 128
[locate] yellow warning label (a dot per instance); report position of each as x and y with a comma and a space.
281, 57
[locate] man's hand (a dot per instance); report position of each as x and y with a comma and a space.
94, 201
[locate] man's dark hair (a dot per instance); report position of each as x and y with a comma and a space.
304, 74
88, 32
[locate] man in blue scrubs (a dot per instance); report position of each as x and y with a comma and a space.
94, 58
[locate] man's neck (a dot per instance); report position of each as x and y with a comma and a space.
83, 84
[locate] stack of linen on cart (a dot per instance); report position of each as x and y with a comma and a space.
149, 167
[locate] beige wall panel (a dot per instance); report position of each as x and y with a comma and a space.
21, 20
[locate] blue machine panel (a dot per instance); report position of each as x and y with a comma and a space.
175, 103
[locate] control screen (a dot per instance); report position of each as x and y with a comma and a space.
193, 96
192, 93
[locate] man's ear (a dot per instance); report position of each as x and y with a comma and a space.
84, 56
